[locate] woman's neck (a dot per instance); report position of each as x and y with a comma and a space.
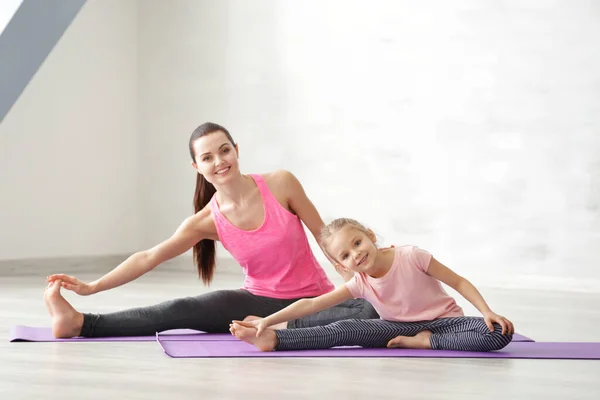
236, 191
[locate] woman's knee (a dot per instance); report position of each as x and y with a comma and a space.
205, 306
368, 311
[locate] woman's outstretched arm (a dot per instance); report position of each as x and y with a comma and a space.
191, 231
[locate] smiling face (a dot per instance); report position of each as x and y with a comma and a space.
353, 248
215, 157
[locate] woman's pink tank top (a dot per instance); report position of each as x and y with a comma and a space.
276, 257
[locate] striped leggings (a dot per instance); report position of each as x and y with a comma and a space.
457, 333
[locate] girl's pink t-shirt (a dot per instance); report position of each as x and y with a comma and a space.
406, 293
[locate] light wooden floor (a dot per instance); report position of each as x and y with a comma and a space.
143, 371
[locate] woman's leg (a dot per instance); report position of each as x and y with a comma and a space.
210, 312
350, 309
466, 334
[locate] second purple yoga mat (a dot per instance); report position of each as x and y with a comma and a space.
238, 349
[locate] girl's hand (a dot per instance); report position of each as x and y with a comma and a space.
72, 283
507, 326
259, 324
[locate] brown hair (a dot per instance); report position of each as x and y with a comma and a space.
204, 251
337, 224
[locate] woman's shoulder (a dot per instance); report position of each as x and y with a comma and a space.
278, 177
283, 183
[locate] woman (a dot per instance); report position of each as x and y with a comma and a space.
257, 218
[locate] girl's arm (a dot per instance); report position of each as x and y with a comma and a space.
469, 292
300, 308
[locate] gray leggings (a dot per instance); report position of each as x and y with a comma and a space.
457, 333
211, 312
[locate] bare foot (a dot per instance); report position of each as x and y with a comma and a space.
265, 342
419, 341
48, 307
66, 321
282, 325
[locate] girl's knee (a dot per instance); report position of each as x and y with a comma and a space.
497, 340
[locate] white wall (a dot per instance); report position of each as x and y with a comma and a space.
68, 148
8, 8
181, 75
468, 128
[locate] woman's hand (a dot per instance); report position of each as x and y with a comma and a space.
73, 284
491, 317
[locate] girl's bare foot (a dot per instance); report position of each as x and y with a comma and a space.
265, 342
419, 341
66, 321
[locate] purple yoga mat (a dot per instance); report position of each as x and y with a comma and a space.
22, 333
238, 349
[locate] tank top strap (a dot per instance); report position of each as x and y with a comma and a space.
214, 208
268, 198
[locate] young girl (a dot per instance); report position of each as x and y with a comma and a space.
403, 285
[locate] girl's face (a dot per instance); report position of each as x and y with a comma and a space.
353, 249
215, 158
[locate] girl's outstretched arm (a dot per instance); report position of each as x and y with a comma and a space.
299, 309
469, 292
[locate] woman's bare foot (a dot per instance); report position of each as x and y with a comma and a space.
419, 341
66, 321
265, 342
48, 307
282, 325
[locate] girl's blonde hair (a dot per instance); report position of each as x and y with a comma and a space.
338, 224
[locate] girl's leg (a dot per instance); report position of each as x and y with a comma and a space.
466, 334
350, 309
352, 332
210, 312
461, 333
